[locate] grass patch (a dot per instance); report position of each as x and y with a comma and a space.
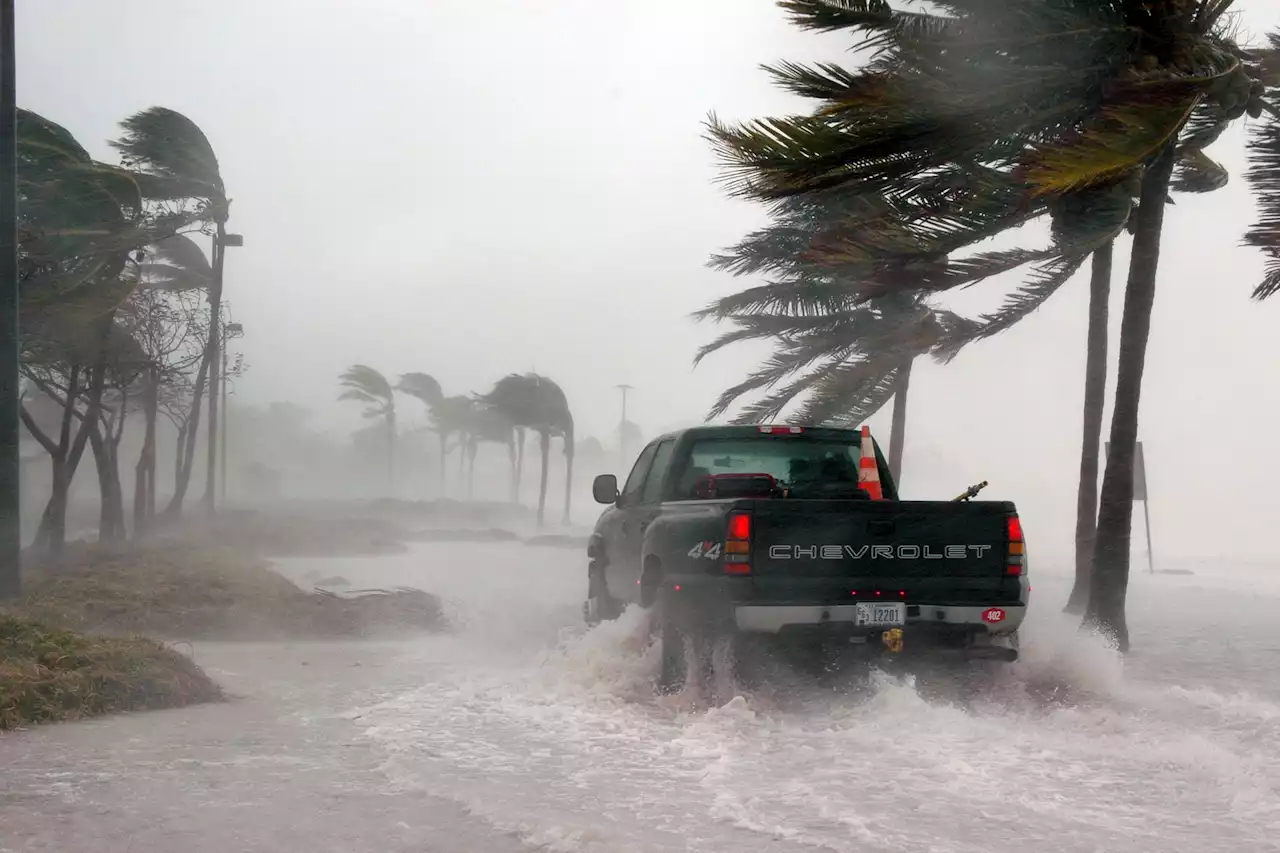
48, 675
178, 591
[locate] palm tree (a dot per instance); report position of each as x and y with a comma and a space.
1068, 97
175, 162
366, 385
1264, 176
452, 416
851, 359
488, 424
842, 258
424, 387
535, 402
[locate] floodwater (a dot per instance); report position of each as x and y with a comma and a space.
522, 729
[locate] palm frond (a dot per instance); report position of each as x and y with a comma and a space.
366, 384
1118, 139
172, 151
1045, 281
421, 386
850, 394
1264, 176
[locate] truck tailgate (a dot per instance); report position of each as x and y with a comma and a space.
820, 549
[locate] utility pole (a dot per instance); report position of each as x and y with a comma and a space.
622, 426
10, 464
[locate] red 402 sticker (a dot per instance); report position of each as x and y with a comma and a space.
706, 550
993, 614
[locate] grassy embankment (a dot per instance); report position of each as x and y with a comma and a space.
85, 639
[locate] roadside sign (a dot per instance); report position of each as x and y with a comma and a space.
1140, 494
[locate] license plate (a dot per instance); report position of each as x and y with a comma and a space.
880, 614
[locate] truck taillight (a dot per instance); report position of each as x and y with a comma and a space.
1016, 555
737, 546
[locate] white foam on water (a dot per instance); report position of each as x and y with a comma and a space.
553, 731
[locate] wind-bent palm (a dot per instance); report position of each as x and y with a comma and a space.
487, 424
1071, 101
425, 388
174, 162
452, 416
535, 402
366, 385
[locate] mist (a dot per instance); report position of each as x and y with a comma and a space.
474, 190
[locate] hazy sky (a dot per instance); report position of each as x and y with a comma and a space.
470, 189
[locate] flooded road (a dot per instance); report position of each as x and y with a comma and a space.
523, 729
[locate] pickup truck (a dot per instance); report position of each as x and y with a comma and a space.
784, 531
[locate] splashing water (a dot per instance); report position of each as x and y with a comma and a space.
554, 732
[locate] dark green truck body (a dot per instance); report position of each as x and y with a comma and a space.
941, 571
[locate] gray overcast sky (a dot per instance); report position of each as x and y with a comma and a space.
469, 189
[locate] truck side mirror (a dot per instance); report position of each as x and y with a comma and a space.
604, 488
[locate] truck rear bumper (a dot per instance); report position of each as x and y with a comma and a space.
774, 619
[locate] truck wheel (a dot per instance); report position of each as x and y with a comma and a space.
600, 606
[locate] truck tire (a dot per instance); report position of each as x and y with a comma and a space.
600, 606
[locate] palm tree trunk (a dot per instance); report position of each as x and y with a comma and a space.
568, 478
520, 442
444, 461
212, 354
898, 430
1095, 399
391, 454
473, 447
544, 444
1106, 608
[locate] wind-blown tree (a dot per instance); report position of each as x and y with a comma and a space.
1066, 96
174, 162
81, 225
834, 253
426, 389
175, 270
851, 360
366, 385
488, 425
535, 402
452, 417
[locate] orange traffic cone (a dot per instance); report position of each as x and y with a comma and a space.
868, 469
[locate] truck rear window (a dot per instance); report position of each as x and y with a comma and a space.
801, 465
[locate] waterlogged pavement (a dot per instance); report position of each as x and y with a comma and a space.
277, 770
522, 730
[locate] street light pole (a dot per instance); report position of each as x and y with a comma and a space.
221, 241
622, 426
232, 329
10, 354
